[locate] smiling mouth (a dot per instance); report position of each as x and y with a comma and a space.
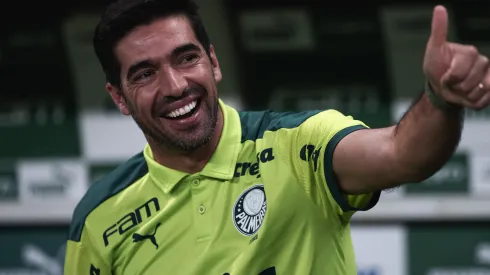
184, 112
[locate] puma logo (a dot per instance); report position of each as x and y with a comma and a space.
137, 237
94, 270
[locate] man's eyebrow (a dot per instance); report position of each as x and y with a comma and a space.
189, 47
148, 63
138, 66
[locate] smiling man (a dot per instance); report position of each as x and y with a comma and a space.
216, 191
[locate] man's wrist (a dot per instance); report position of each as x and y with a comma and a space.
436, 100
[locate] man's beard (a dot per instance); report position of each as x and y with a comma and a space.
184, 142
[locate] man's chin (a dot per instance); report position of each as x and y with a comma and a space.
189, 145
182, 140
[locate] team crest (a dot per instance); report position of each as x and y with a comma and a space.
249, 210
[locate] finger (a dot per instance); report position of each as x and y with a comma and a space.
456, 99
483, 102
482, 89
469, 86
439, 28
486, 79
477, 93
484, 99
463, 60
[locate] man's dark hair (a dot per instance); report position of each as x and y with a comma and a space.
122, 16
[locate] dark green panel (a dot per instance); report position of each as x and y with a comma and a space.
473, 23
32, 250
314, 56
9, 189
452, 178
38, 115
30, 137
362, 102
449, 249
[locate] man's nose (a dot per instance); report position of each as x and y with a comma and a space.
173, 82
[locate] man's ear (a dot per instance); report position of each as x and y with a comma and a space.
117, 98
215, 64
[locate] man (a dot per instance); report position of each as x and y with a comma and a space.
221, 192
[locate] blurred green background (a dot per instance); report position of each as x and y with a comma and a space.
60, 131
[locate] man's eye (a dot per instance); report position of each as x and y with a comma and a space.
190, 58
144, 75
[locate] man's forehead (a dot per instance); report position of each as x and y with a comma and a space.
161, 36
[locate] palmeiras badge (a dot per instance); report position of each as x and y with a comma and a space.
249, 210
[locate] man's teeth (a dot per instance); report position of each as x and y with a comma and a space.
182, 111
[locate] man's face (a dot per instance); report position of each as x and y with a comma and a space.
168, 84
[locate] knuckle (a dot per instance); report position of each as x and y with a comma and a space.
455, 77
484, 60
464, 87
473, 98
472, 50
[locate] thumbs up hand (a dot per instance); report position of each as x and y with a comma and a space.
459, 74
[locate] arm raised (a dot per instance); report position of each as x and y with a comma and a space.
375, 159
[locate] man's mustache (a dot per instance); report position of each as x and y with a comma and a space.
187, 92
171, 99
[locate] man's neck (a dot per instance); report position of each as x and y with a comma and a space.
189, 162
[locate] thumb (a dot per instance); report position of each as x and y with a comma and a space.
439, 29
